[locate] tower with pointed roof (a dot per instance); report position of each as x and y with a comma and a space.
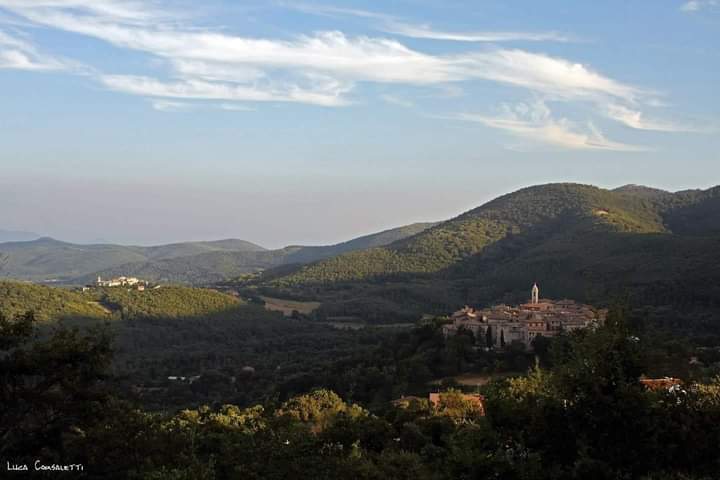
535, 295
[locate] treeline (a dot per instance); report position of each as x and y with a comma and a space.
584, 416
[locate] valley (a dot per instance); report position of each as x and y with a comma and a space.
373, 335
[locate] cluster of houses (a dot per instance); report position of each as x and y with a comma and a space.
501, 325
122, 282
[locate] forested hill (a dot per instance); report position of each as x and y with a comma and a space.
578, 241
48, 304
49, 259
548, 208
218, 266
51, 304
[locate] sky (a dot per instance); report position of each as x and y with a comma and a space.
286, 122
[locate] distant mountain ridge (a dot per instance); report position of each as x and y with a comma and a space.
16, 236
47, 259
218, 266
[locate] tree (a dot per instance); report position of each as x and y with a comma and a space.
51, 389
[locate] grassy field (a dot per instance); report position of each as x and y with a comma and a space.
287, 306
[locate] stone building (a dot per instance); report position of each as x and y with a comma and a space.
501, 325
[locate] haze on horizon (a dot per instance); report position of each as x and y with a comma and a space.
147, 122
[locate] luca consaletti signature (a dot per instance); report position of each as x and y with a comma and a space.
39, 466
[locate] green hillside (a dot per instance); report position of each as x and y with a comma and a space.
311, 254
577, 241
48, 303
49, 259
218, 266
167, 302
540, 210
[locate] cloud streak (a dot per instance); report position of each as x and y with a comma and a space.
396, 26
325, 68
697, 5
637, 120
425, 31
536, 123
316, 68
17, 54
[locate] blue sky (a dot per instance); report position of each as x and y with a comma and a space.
311, 122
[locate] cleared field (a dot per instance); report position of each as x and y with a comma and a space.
475, 379
287, 306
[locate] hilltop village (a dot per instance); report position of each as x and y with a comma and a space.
502, 325
132, 282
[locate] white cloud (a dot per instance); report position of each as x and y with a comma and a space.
235, 107
535, 122
197, 89
171, 106
426, 32
211, 56
395, 100
17, 54
637, 120
392, 24
696, 5
323, 68
164, 105
331, 11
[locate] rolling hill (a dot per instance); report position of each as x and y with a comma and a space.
578, 241
49, 304
538, 210
47, 259
15, 236
218, 266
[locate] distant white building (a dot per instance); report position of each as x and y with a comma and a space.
120, 282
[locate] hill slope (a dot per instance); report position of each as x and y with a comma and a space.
48, 303
222, 265
15, 236
578, 241
546, 208
49, 259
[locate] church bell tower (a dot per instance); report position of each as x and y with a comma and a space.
535, 295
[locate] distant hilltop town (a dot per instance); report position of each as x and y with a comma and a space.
122, 282
502, 325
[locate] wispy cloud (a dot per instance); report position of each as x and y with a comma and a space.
332, 11
171, 106
325, 68
163, 105
696, 5
637, 120
427, 32
397, 26
18, 54
395, 100
535, 123
318, 68
201, 90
